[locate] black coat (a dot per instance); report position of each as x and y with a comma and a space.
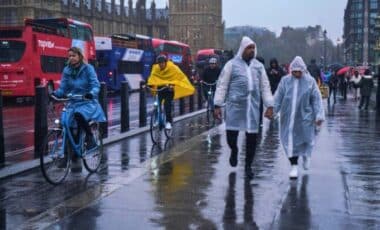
366, 86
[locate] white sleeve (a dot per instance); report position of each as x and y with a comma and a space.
265, 89
223, 84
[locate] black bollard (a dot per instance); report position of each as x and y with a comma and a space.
199, 92
191, 103
2, 149
124, 115
103, 102
40, 120
181, 106
142, 110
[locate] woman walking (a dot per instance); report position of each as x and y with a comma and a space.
299, 102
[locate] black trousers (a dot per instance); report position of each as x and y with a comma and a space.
251, 140
332, 91
167, 95
364, 101
293, 160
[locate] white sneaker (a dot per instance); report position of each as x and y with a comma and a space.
306, 162
293, 172
168, 125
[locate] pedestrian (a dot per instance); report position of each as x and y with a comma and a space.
299, 102
366, 86
241, 85
355, 79
378, 91
171, 83
315, 71
275, 73
79, 78
333, 85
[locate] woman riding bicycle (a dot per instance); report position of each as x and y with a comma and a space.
79, 78
166, 74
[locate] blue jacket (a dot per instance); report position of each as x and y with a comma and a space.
80, 82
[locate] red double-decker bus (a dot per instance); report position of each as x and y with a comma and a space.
178, 52
36, 53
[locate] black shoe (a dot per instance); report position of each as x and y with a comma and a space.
76, 166
233, 158
248, 172
62, 163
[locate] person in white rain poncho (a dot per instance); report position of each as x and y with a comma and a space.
242, 83
299, 102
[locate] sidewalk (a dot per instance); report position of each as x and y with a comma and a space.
15, 165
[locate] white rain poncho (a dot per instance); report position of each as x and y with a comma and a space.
299, 103
241, 87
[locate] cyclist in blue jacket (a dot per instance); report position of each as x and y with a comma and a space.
79, 78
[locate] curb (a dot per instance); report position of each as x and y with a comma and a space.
21, 167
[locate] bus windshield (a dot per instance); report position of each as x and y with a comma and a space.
172, 48
11, 51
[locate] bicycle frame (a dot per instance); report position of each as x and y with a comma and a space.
158, 110
66, 123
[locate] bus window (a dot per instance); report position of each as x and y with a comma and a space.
11, 51
127, 67
172, 48
11, 34
51, 64
80, 32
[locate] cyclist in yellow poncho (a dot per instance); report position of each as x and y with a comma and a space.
166, 74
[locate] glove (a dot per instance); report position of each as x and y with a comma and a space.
89, 96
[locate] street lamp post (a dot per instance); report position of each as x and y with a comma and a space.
324, 48
338, 50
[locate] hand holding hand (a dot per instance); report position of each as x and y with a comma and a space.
318, 122
269, 113
218, 113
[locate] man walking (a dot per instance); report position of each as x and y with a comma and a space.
241, 85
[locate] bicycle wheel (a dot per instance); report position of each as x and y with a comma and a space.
93, 158
54, 159
155, 129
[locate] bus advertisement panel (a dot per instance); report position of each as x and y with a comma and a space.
36, 53
123, 58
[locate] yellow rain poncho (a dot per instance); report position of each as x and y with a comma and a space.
171, 75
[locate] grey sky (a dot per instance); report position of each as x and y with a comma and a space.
274, 14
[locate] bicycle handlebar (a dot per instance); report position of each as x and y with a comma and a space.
160, 89
68, 97
205, 83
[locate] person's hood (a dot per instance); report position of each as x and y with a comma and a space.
298, 65
245, 41
273, 61
368, 76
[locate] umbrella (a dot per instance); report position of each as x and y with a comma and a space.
344, 70
336, 66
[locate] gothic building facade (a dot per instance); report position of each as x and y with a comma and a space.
197, 23
106, 16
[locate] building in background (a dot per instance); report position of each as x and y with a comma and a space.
359, 31
106, 16
197, 23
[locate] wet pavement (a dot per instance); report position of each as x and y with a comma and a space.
187, 183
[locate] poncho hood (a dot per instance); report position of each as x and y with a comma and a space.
245, 41
298, 65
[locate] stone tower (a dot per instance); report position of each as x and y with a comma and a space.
197, 23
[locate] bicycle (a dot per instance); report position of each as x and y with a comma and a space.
209, 100
158, 118
60, 145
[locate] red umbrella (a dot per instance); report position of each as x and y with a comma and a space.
344, 70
